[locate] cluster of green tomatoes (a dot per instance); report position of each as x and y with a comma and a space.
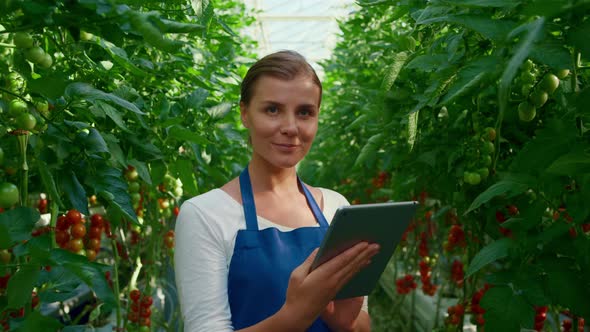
485, 151
537, 92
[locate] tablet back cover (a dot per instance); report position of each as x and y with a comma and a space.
382, 223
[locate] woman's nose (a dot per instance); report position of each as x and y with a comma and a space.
289, 125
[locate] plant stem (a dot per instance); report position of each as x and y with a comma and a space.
23, 141
53, 210
116, 280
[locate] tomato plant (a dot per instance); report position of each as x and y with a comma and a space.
482, 119
111, 113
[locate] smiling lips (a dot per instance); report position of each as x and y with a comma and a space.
286, 147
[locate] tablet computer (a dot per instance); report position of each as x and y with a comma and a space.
382, 223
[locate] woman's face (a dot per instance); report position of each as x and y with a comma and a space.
282, 117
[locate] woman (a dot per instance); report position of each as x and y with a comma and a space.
244, 251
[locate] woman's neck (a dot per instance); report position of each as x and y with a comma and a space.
268, 178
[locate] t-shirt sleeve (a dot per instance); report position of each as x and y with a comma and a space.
201, 271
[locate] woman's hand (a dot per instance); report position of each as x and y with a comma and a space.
310, 293
343, 315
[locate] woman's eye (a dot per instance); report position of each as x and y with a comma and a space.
305, 112
272, 109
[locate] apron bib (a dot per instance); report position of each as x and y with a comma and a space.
263, 260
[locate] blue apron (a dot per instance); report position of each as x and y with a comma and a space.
263, 260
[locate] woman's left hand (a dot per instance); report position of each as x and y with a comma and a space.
345, 315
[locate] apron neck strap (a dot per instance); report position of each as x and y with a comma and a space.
250, 207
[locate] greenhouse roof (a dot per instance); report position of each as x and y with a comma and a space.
306, 26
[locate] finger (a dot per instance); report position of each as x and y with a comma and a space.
306, 265
355, 264
344, 258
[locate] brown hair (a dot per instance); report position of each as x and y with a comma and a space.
283, 65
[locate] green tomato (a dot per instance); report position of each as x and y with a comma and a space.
8, 194
16, 107
550, 83
46, 61
563, 73
489, 134
135, 198
488, 147
483, 173
22, 40
487, 160
526, 111
26, 121
471, 178
42, 106
134, 187
34, 54
539, 98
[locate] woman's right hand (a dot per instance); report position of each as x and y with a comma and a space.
309, 292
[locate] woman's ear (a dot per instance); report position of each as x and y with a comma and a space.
243, 114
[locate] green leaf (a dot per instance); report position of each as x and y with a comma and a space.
92, 274
168, 26
95, 144
49, 182
512, 186
110, 185
485, 3
112, 113
494, 29
158, 171
38, 322
393, 70
84, 91
578, 37
184, 134
219, 111
49, 86
560, 272
16, 225
428, 62
549, 144
552, 53
142, 170
489, 254
74, 191
197, 98
470, 77
185, 171
359, 122
506, 310
370, 149
21, 285
577, 162
120, 57
200, 6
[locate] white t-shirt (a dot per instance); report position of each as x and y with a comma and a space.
206, 230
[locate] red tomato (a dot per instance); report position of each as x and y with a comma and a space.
74, 217
78, 231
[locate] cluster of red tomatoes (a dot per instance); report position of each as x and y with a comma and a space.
456, 238
405, 284
457, 274
71, 234
425, 276
140, 311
